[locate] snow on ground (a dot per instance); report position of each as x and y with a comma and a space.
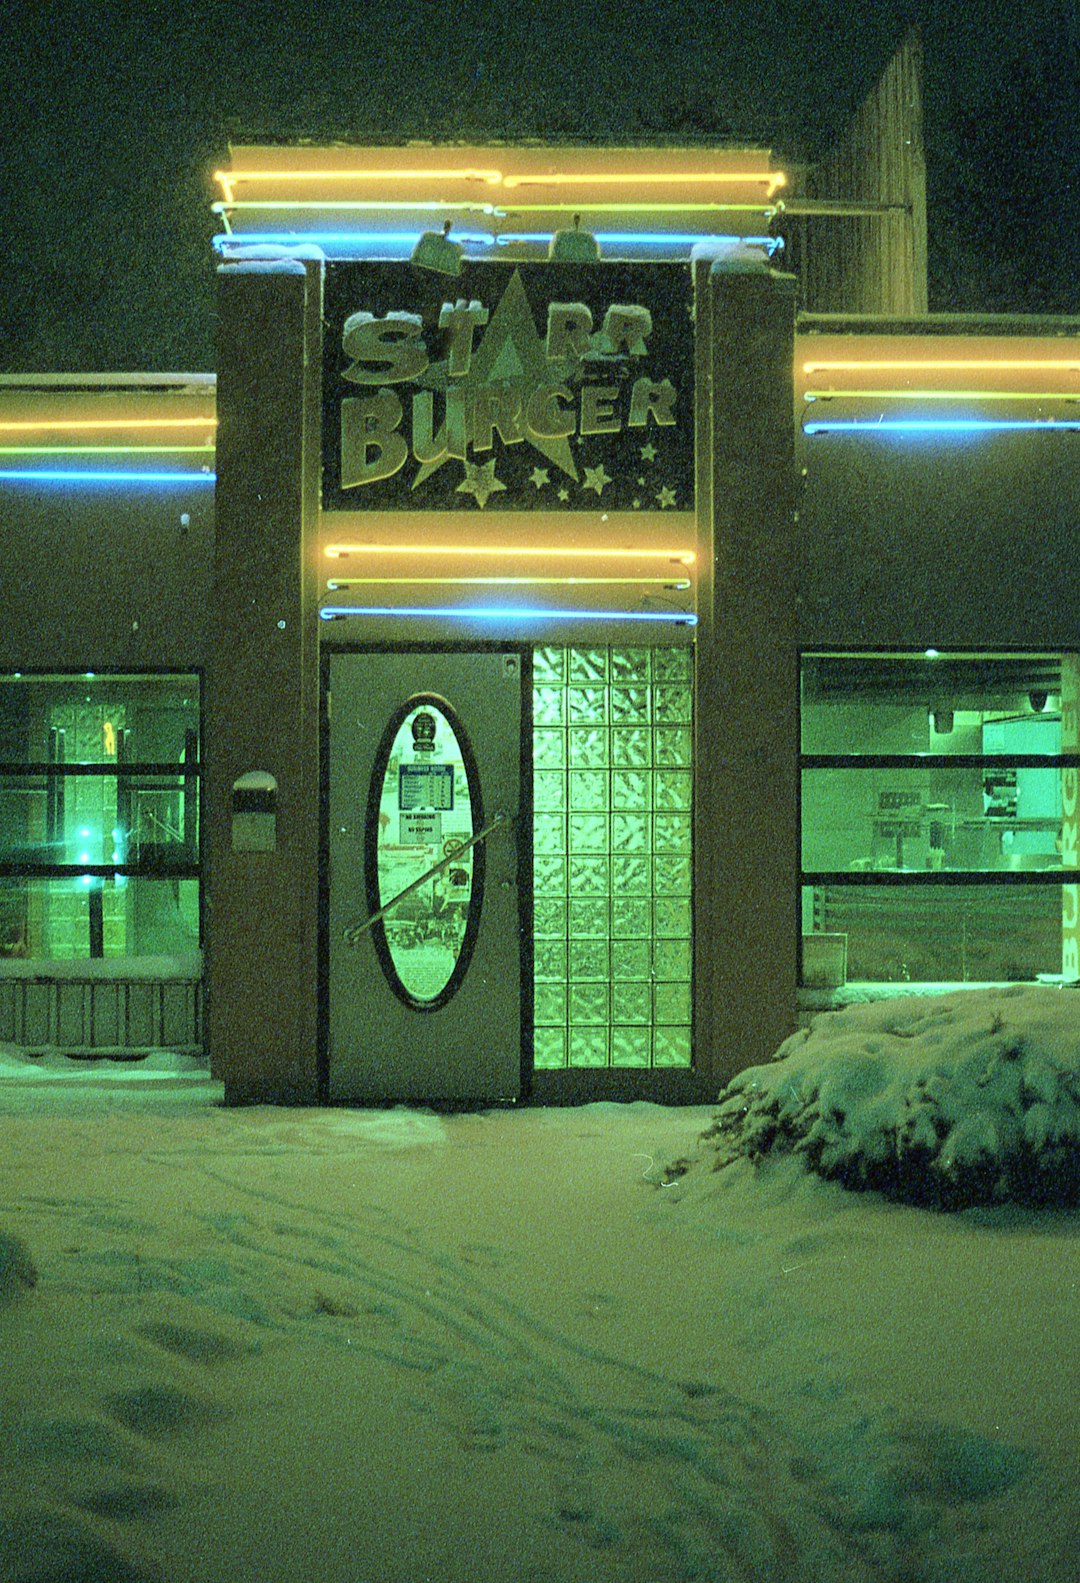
359, 1346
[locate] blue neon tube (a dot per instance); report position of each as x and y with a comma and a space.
935, 425
55, 475
237, 241
407, 240
504, 613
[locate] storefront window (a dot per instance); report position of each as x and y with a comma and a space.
613, 785
99, 811
939, 813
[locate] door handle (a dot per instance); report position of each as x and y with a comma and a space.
353, 931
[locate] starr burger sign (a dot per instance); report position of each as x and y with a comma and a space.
541, 386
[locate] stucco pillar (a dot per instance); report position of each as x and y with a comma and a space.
746, 750
262, 696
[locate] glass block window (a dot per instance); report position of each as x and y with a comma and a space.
99, 811
613, 797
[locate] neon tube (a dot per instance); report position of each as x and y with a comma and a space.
947, 362
767, 211
106, 450
517, 208
941, 395
294, 238
41, 424
937, 425
51, 475
682, 557
771, 244
350, 203
771, 179
503, 613
407, 240
335, 585
227, 179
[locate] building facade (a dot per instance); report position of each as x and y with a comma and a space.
548, 660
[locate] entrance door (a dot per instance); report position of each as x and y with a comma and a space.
424, 925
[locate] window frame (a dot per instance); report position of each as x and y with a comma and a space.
185, 775
908, 879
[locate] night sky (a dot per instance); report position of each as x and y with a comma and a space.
115, 116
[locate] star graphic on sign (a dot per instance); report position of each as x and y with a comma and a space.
480, 481
648, 453
564, 494
508, 370
636, 503
665, 496
540, 476
596, 478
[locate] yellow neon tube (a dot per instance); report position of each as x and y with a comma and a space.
38, 424
941, 395
589, 204
336, 583
683, 557
345, 203
227, 178
772, 179
104, 450
1061, 363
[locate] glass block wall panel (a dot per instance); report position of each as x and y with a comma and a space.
613, 795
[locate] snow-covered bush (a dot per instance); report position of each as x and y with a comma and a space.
17, 1272
946, 1100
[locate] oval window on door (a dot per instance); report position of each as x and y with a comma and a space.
423, 806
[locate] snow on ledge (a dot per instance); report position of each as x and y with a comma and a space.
263, 259
20, 1068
